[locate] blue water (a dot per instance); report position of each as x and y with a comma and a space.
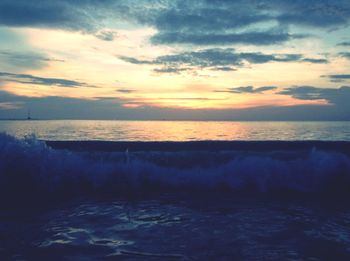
158, 201
178, 229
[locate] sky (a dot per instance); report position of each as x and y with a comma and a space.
175, 59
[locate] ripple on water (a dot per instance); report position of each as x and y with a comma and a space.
152, 230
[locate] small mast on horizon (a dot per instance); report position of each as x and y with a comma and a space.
28, 115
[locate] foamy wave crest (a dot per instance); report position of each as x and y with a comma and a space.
28, 168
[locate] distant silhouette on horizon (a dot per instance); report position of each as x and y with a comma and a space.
28, 116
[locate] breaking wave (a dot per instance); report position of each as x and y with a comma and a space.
31, 169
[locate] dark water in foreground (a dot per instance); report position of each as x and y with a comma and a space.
157, 201
178, 229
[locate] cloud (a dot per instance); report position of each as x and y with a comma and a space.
25, 57
189, 99
54, 107
304, 92
174, 70
344, 44
32, 60
10, 105
315, 13
106, 35
125, 90
345, 55
206, 16
134, 60
215, 59
173, 15
338, 77
16, 53
243, 22
70, 15
253, 38
224, 68
12, 60
312, 60
35, 80
199, 22
259, 58
337, 96
248, 89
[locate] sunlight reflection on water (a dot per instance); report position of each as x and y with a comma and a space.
176, 130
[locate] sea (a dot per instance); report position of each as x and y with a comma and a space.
174, 190
176, 130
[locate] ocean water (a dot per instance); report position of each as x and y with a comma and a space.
102, 193
177, 130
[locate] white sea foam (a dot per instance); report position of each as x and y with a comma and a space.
28, 166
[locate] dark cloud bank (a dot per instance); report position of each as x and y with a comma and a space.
198, 22
112, 108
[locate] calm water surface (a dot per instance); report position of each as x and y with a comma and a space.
176, 130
